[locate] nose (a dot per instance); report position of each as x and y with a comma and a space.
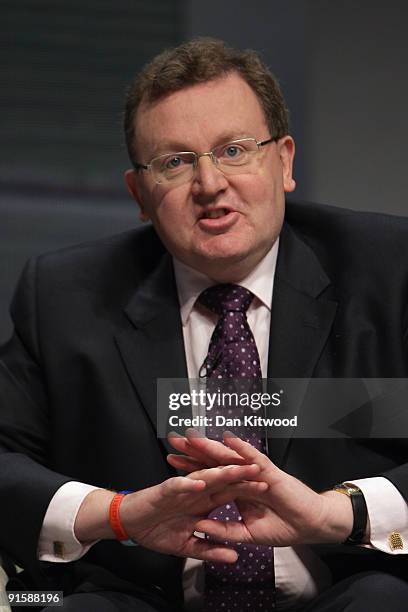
208, 179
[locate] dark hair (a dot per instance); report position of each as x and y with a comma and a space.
198, 61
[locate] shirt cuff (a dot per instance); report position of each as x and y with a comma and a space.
388, 514
57, 541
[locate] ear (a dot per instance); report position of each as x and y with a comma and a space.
133, 182
286, 148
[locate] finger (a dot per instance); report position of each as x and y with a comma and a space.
222, 476
177, 441
181, 484
233, 531
182, 445
247, 451
181, 462
211, 449
206, 551
251, 490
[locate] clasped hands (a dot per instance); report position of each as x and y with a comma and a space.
276, 508
282, 511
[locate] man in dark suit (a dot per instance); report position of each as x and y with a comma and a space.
95, 326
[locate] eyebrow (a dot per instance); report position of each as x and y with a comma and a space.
174, 146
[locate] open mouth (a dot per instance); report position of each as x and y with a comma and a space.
218, 220
215, 214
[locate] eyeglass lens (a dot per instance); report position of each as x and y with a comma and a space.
228, 157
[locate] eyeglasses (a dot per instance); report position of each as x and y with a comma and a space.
231, 158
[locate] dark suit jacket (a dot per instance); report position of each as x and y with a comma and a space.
97, 324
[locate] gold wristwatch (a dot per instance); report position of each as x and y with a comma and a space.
360, 513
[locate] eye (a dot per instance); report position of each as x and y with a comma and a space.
231, 153
172, 163
232, 150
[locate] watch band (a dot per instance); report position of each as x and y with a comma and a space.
360, 513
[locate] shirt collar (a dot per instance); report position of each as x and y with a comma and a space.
190, 283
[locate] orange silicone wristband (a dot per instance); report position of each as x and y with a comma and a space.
114, 518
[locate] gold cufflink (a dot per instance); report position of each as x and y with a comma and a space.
58, 549
395, 541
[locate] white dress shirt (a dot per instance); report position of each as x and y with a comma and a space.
299, 574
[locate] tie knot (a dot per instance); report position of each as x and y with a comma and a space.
226, 298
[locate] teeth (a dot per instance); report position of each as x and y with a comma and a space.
214, 214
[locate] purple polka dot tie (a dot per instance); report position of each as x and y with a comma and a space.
249, 584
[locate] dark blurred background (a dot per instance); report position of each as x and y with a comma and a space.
65, 66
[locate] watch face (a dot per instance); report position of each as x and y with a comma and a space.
351, 489
347, 489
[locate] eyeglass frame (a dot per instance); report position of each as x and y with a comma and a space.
210, 154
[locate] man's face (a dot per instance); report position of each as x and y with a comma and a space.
199, 118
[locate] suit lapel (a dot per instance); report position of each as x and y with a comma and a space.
301, 320
152, 345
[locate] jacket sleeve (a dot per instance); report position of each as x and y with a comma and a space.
26, 484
